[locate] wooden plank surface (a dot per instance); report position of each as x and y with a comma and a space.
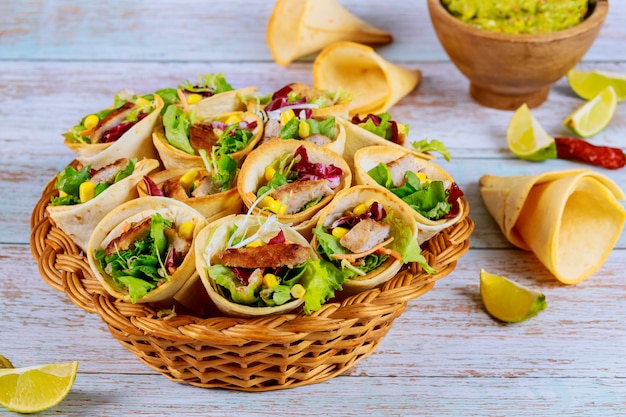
443, 357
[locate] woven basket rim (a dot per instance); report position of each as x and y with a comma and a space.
63, 266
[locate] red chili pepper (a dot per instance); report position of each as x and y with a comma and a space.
583, 151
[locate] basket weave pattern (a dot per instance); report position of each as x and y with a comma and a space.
258, 354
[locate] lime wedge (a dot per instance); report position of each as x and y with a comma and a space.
527, 139
587, 84
508, 301
593, 116
36, 388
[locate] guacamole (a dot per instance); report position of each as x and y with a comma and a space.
519, 16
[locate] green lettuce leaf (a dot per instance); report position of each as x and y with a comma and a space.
137, 287
432, 146
320, 280
213, 83
235, 290
176, 123
405, 243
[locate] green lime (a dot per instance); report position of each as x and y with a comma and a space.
527, 139
587, 84
508, 301
36, 388
593, 116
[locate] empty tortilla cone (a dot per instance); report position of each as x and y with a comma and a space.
375, 83
78, 220
297, 28
211, 205
570, 220
119, 223
370, 157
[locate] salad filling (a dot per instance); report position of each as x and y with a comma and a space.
146, 254
433, 199
78, 186
110, 124
382, 125
294, 183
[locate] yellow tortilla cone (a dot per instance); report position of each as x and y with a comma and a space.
174, 158
570, 220
78, 220
347, 200
375, 83
114, 223
135, 143
367, 158
358, 138
252, 175
297, 28
226, 102
214, 238
210, 206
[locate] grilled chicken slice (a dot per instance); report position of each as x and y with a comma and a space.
128, 238
111, 120
399, 167
206, 186
266, 256
107, 173
172, 188
318, 139
271, 130
365, 235
295, 195
202, 136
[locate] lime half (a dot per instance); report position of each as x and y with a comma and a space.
508, 301
36, 388
527, 139
593, 116
587, 84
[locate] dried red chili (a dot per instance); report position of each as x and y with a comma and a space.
583, 151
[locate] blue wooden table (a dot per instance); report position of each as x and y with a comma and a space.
444, 356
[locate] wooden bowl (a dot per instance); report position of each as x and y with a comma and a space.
508, 70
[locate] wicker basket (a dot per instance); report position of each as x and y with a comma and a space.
244, 354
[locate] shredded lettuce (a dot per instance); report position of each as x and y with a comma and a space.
209, 84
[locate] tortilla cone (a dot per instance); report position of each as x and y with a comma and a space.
358, 137
369, 157
133, 211
210, 206
226, 102
78, 220
569, 219
251, 176
375, 83
346, 200
174, 158
134, 143
214, 238
297, 28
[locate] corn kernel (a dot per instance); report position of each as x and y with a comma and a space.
185, 230
188, 177
86, 191
91, 121
232, 119
269, 173
304, 130
270, 280
402, 129
360, 209
142, 102
62, 193
273, 205
424, 180
193, 98
286, 116
297, 291
339, 232
255, 243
